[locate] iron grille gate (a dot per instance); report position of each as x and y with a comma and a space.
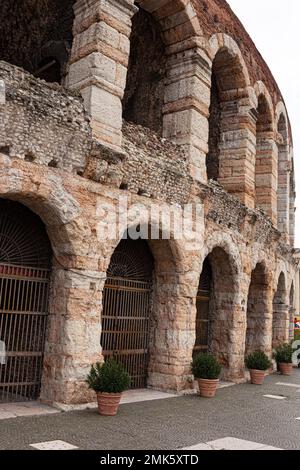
23, 321
125, 326
202, 303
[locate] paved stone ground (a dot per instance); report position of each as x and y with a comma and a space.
241, 411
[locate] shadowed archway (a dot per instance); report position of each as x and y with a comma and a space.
25, 269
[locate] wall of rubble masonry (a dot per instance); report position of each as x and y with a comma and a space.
34, 30
66, 157
42, 123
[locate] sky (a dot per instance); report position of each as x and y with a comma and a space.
274, 27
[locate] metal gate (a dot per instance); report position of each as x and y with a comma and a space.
23, 317
126, 309
24, 290
202, 303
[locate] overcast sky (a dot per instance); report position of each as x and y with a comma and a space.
274, 27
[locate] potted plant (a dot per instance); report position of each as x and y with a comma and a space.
206, 370
257, 363
108, 380
284, 358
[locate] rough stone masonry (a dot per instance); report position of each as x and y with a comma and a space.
208, 126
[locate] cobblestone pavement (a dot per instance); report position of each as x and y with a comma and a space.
241, 411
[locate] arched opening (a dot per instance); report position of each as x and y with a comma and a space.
280, 314
257, 311
203, 318
263, 160
144, 93
283, 192
126, 313
25, 267
215, 301
33, 32
292, 206
212, 158
227, 84
292, 312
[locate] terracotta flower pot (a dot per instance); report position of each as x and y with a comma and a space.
285, 368
207, 387
108, 403
257, 376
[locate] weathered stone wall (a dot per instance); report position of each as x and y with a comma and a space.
41, 123
98, 161
236, 237
31, 30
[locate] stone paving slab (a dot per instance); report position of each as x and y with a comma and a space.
53, 445
14, 410
232, 443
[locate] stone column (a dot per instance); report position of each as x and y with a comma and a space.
266, 175
98, 64
281, 324
237, 149
283, 192
186, 109
292, 323
73, 337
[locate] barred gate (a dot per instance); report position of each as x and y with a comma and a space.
23, 321
25, 259
125, 326
126, 309
203, 314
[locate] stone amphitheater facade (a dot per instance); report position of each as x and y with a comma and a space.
160, 102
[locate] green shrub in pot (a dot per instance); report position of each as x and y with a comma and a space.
108, 380
206, 370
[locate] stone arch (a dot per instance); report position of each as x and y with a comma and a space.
280, 111
266, 153
178, 18
280, 313
222, 42
224, 241
62, 215
225, 310
258, 311
155, 27
230, 105
98, 67
73, 326
283, 186
172, 320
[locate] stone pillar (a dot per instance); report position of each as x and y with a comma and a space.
237, 149
98, 63
186, 109
236, 346
281, 324
172, 345
266, 174
283, 192
73, 337
292, 323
